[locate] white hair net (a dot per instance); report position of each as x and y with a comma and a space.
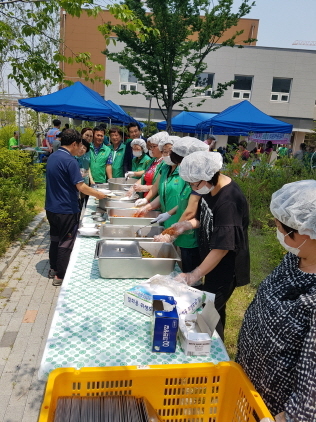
186, 145
295, 206
157, 137
164, 142
200, 165
141, 143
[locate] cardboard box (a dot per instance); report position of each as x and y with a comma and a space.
165, 322
140, 299
195, 331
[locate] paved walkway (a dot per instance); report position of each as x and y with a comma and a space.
27, 304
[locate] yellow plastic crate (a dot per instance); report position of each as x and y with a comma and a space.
201, 392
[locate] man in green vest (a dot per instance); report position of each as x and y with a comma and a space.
118, 151
100, 158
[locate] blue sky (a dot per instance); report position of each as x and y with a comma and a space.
284, 21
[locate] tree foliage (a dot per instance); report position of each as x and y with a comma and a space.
30, 45
168, 60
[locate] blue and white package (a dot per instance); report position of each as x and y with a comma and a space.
165, 323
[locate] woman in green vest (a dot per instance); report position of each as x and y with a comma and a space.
118, 151
145, 183
173, 198
140, 161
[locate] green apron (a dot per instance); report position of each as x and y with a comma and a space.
175, 191
140, 163
98, 163
118, 160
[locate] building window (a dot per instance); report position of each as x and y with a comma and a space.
205, 80
242, 87
128, 81
281, 88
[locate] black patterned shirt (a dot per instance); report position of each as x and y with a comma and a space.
277, 341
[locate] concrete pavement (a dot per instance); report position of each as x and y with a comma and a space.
27, 304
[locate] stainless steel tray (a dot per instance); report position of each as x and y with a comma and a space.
108, 231
125, 217
119, 183
165, 259
118, 249
119, 204
116, 202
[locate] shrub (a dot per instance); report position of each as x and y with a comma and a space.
26, 138
258, 185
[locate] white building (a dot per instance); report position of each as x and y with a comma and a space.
280, 82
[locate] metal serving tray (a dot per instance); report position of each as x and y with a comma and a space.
123, 267
119, 204
119, 183
147, 234
121, 249
125, 217
116, 202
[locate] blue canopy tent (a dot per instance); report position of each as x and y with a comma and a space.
79, 102
186, 121
241, 119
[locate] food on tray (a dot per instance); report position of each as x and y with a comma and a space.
137, 214
146, 254
170, 231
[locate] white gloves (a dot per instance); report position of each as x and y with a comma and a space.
169, 235
141, 202
141, 212
161, 218
142, 188
129, 174
191, 279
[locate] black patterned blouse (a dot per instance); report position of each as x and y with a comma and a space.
277, 341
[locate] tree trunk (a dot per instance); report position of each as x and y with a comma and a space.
169, 117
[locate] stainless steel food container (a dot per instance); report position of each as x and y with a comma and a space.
132, 266
119, 183
108, 231
115, 201
109, 203
125, 217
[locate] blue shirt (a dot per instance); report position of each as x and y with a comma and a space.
62, 175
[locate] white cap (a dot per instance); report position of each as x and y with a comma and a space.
157, 137
295, 206
141, 143
187, 145
200, 165
164, 142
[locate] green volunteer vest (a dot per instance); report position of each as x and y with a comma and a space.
118, 159
141, 163
175, 191
98, 163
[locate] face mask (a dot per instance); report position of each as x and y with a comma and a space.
205, 190
281, 238
168, 161
151, 154
137, 153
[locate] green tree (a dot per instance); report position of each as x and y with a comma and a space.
28, 41
168, 64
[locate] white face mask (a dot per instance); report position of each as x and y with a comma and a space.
151, 154
168, 161
205, 190
137, 153
281, 239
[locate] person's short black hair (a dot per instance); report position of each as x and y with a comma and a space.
214, 179
116, 129
56, 122
67, 125
85, 129
69, 136
103, 125
15, 132
288, 230
175, 158
86, 144
269, 144
243, 144
98, 129
133, 125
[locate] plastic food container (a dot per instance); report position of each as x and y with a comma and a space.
199, 392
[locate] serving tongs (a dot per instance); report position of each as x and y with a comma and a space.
137, 234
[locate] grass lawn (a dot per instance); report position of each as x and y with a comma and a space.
265, 254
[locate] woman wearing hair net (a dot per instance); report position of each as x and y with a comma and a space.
277, 340
222, 219
140, 161
144, 184
173, 196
